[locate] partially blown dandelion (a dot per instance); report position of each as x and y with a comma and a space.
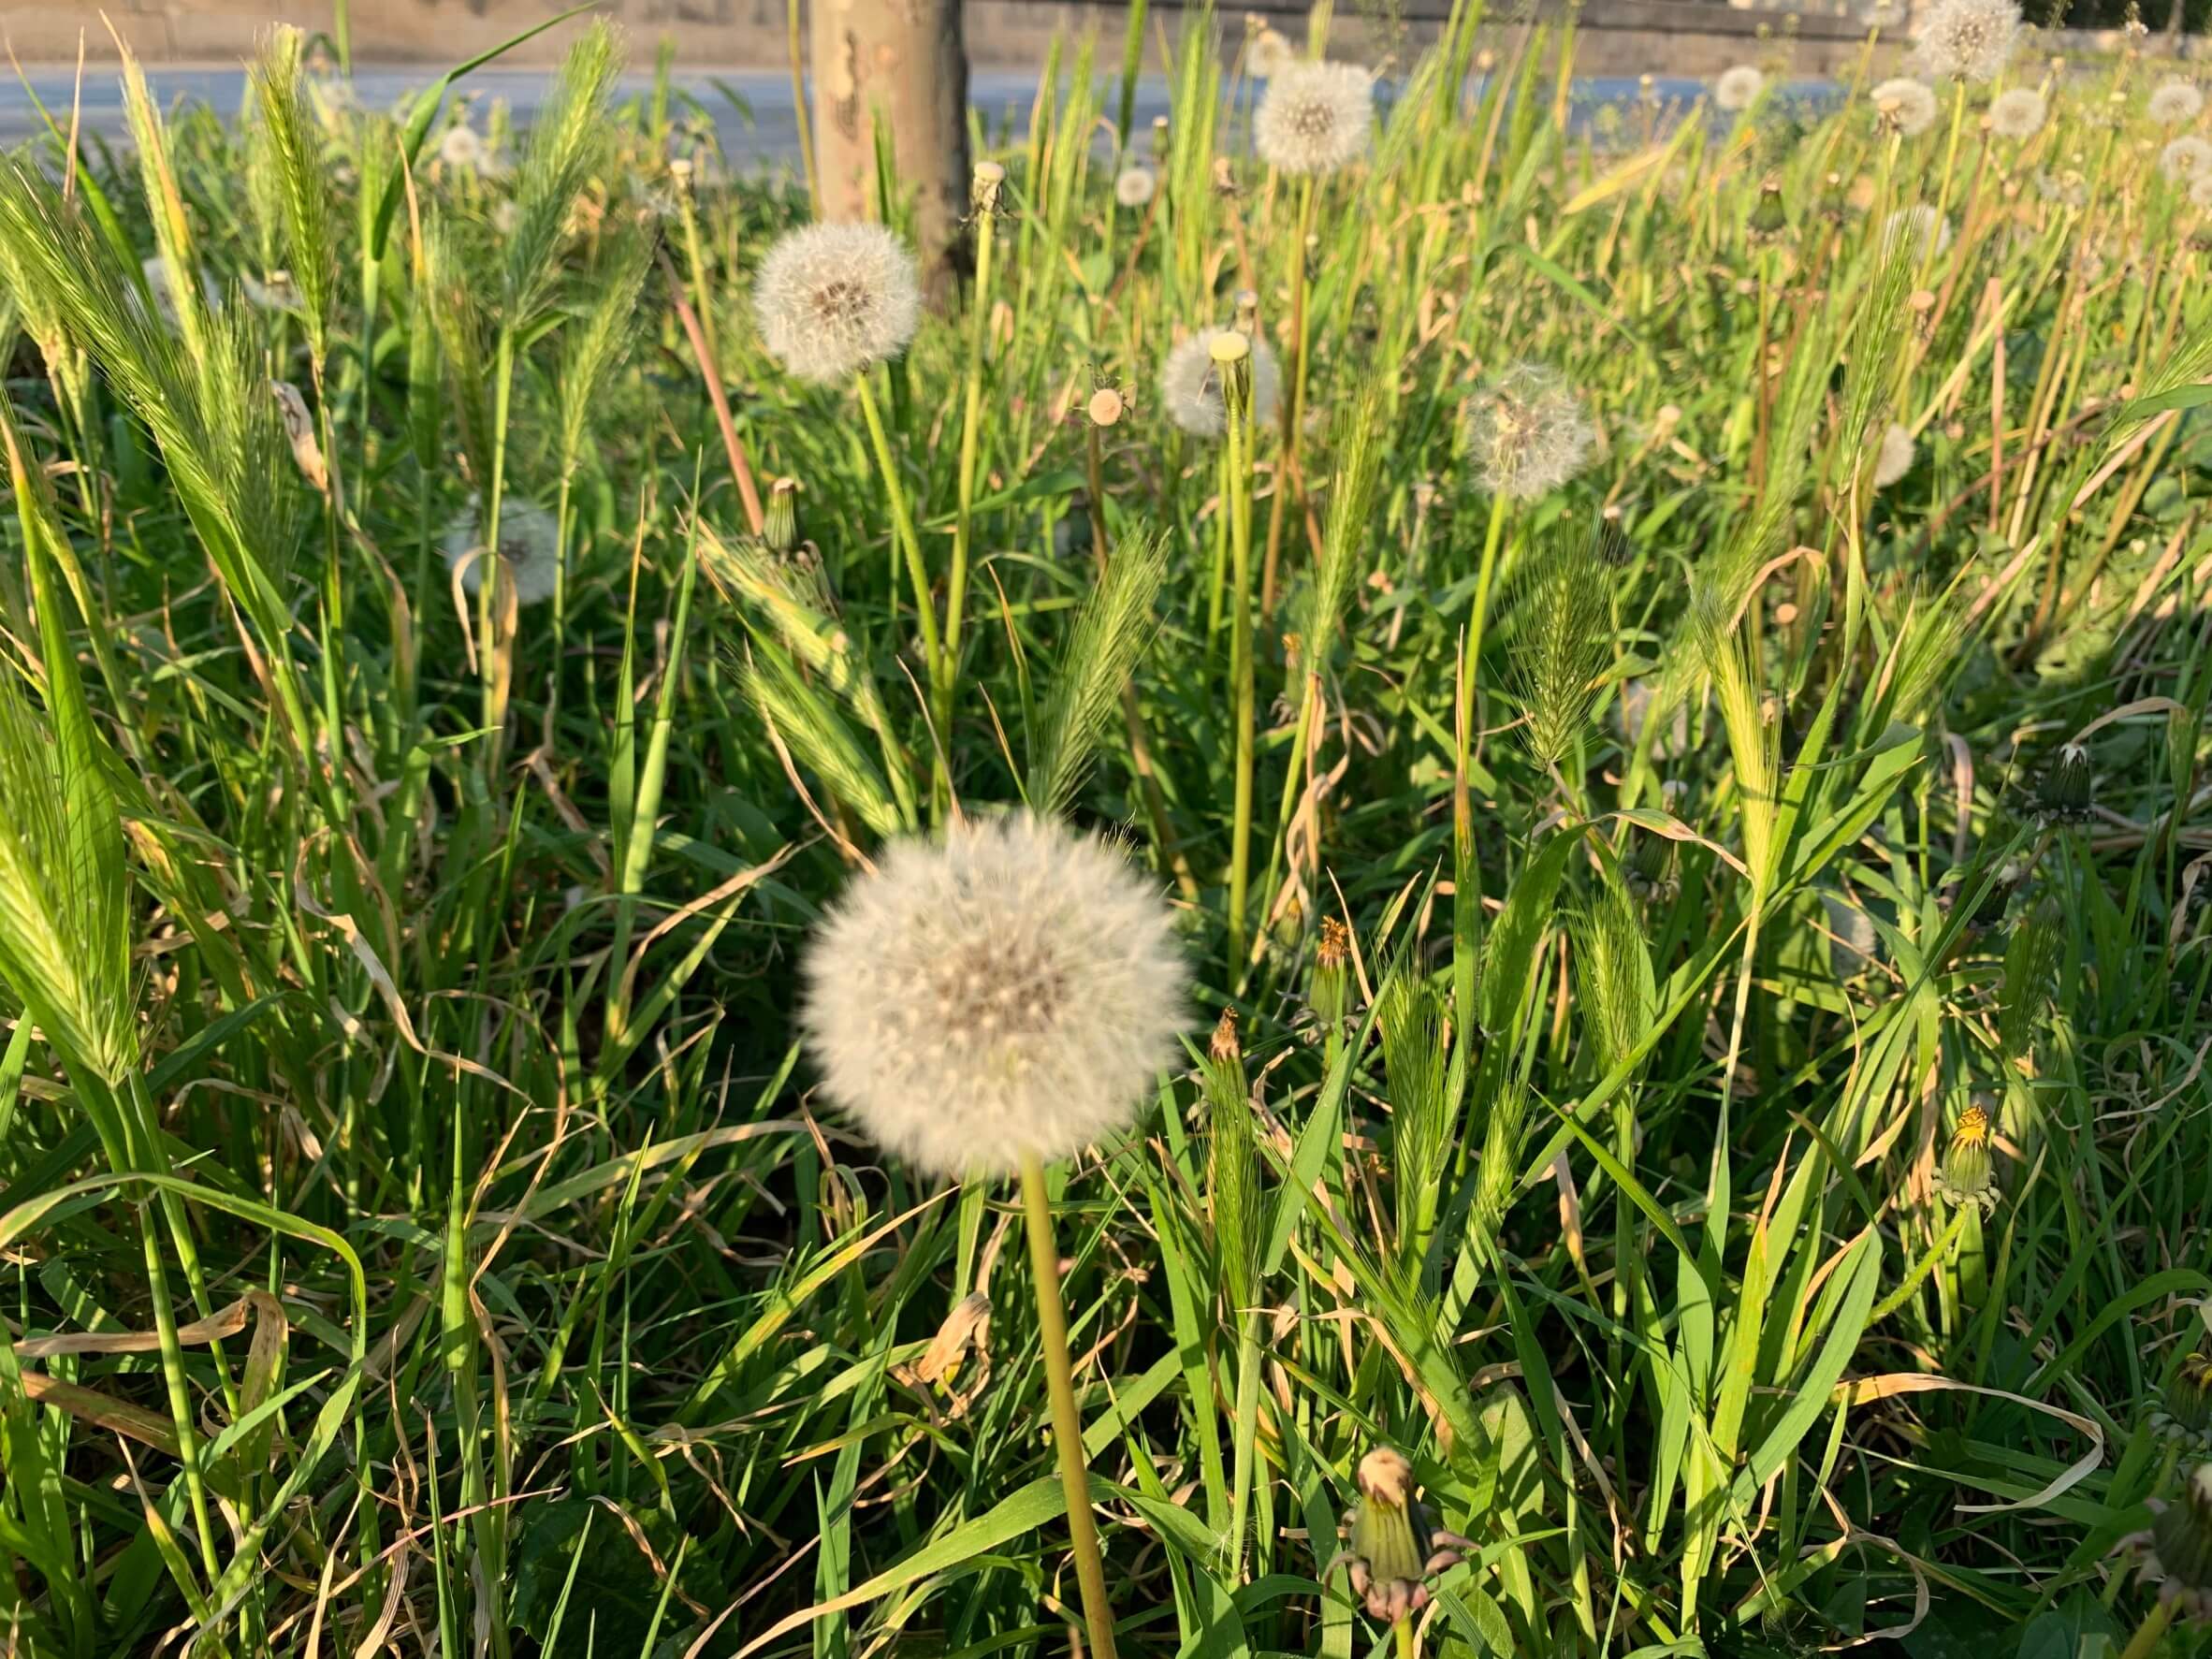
1968, 40
1527, 434
2199, 193
2187, 159
1920, 227
529, 549
1737, 88
462, 149
833, 298
1270, 54
2175, 103
1315, 117
2018, 114
1190, 384
1008, 991
1894, 459
1907, 105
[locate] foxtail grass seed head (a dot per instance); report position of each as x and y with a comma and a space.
1270, 54
529, 549
985, 186
1331, 991
1134, 187
833, 299
1906, 105
2018, 114
1527, 435
1967, 39
1315, 117
1894, 459
1738, 88
779, 524
1967, 1174
2175, 1553
1395, 1544
2068, 793
461, 147
1919, 227
2174, 103
2184, 1416
1191, 383
1010, 989
2187, 159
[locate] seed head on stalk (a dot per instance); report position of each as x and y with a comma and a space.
1907, 105
1526, 433
1315, 117
1738, 88
831, 300
2174, 103
2017, 113
1967, 39
1190, 384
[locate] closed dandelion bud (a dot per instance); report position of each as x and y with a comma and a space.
1332, 986
779, 526
1159, 137
2185, 1416
2069, 790
984, 187
1967, 1175
1767, 217
2176, 1553
1395, 1544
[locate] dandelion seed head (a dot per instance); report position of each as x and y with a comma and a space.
1907, 105
1190, 384
1527, 434
1736, 87
461, 147
1010, 989
1968, 40
2067, 186
2175, 103
833, 298
529, 549
1315, 117
2199, 193
2017, 113
1894, 459
1270, 54
1920, 227
1133, 187
2187, 159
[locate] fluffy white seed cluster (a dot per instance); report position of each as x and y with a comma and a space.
1270, 54
1920, 227
2175, 103
2017, 114
1968, 40
1190, 384
1737, 88
1908, 105
461, 147
1315, 117
1133, 187
2187, 159
529, 549
2199, 193
1894, 459
833, 298
1013, 988
1527, 435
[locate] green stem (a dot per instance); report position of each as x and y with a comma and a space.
1051, 1329
1247, 1431
1293, 402
902, 522
2147, 1632
1238, 504
970, 440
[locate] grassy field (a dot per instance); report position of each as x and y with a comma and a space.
1656, 669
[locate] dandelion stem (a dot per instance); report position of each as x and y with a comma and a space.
2147, 1632
1293, 403
1237, 504
902, 522
970, 437
1052, 1326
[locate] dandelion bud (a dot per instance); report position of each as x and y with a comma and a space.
2069, 790
1159, 137
1768, 218
2177, 1552
984, 187
1967, 1175
1395, 1544
779, 526
1331, 984
2186, 1413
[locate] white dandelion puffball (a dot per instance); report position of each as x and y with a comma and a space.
1190, 384
1925, 230
1895, 458
1315, 117
1527, 434
2175, 103
1909, 103
834, 298
2018, 114
1969, 39
462, 149
1270, 54
1737, 88
2066, 186
2199, 193
529, 549
1134, 187
1011, 990
2186, 159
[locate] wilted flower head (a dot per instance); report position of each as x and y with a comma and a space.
461, 147
1527, 432
1270, 54
1736, 87
2068, 793
2175, 103
833, 298
2185, 1415
1315, 117
1906, 104
1008, 991
1394, 1543
1895, 458
2187, 159
1133, 187
2017, 113
1968, 38
1966, 1175
1190, 384
2176, 1550
529, 549
1920, 227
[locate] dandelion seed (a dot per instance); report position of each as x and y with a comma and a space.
1907, 105
462, 149
1967, 39
2187, 159
2175, 103
1925, 230
1895, 458
1315, 117
1527, 434
833, 298
2017, 114
2175, 1552
1134, 187
1009, 991
1190, 385
529, 549
1734, 91
1270, 54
